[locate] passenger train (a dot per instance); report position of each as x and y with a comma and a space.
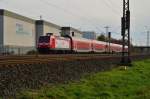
67, 44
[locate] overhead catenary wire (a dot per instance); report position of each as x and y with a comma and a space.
73, 14
115, 6
68, 12
116, 13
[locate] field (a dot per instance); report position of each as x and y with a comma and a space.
132, 83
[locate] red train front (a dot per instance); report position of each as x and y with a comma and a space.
48, 44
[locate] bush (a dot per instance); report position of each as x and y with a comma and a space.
32, 52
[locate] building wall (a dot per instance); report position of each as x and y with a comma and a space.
51, 29
69, 31
89, 35
1, 30
39, 30
76, 33
65, 32
18, 32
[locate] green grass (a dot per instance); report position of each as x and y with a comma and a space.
133, 83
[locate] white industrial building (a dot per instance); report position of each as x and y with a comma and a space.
17, 32
71, 32
89, 35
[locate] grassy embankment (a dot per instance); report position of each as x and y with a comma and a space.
133, 83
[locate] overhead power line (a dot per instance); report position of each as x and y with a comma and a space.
71, 13
82, 17
115, 5
116, 12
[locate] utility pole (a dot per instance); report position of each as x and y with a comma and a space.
41, 17
148, 34
109, 40
125, 22
106, 37
148, 38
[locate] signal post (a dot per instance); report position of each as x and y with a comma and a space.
125, 32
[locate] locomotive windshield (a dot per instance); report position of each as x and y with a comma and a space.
44, 39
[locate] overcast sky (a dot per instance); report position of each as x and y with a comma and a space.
91, 15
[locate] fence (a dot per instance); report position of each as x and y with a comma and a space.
141, 49
17, 50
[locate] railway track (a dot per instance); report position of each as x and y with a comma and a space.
34, 59
41, 59
51, 55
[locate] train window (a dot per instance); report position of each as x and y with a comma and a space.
44, 39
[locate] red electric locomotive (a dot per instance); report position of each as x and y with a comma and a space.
52, 44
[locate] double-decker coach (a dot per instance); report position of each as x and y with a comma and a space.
99, 46
81, 45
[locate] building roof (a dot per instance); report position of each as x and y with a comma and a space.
4, 12
43, 22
